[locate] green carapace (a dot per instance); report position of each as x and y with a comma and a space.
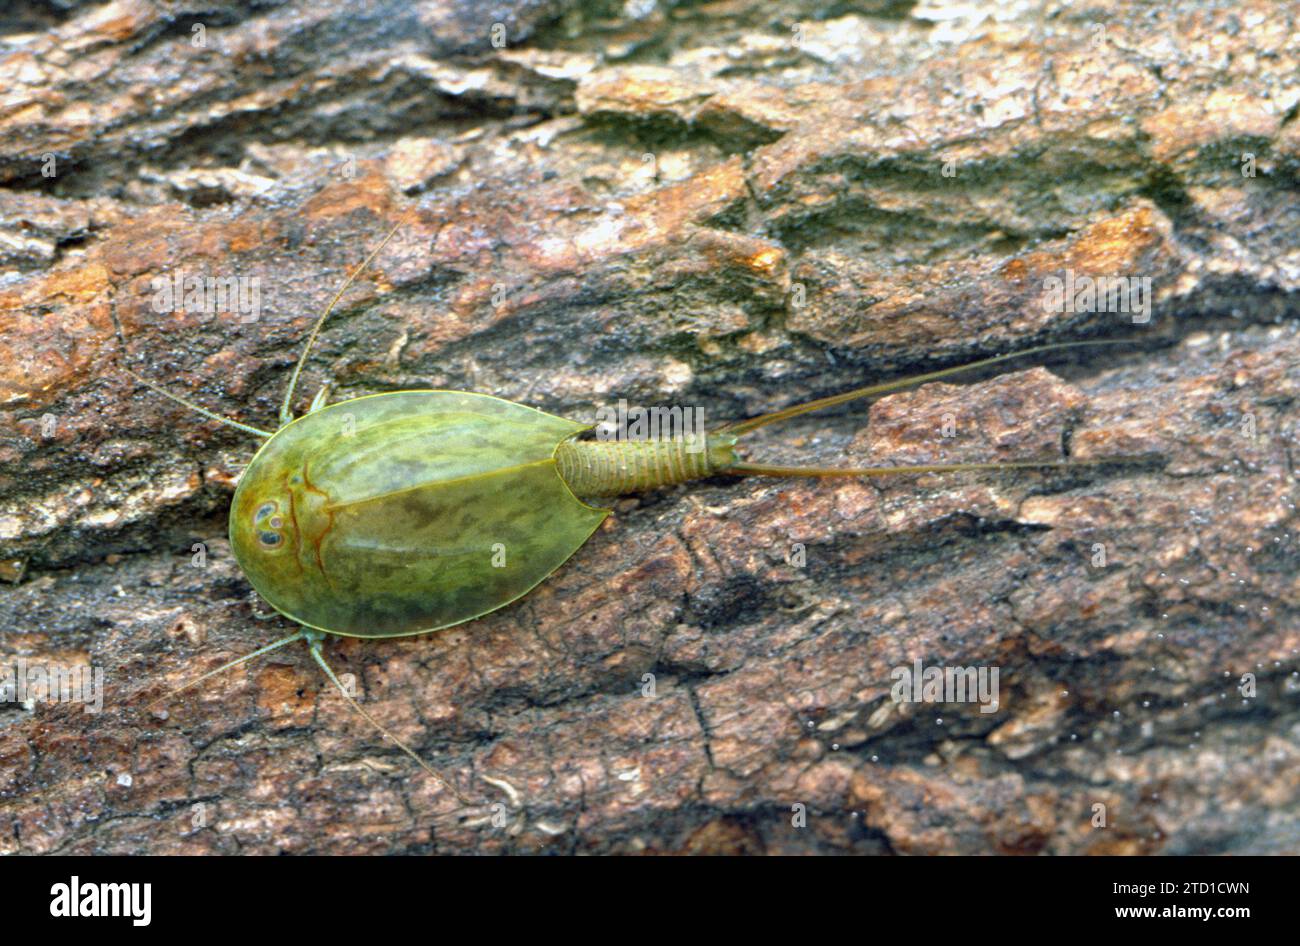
403, 513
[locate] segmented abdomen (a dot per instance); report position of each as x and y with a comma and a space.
614, 467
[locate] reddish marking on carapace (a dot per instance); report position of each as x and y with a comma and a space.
325, 506
297, 533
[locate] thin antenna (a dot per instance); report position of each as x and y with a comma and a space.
286, 412
224, 667
158, 389
313, 643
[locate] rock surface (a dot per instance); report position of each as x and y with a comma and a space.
732, 206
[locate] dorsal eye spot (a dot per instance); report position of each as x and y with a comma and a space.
267, 523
